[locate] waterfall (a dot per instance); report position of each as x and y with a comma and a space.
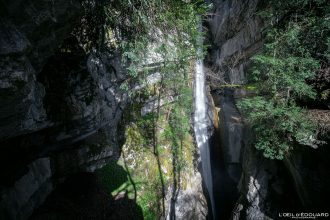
201, 124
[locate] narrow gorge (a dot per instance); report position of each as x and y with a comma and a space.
164, 109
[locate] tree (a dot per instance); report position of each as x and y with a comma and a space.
295, 48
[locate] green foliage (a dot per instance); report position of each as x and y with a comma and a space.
155, 36
276, 125
112, 176
153, 31
294, 50
297, 5
146, 125
284, 77
180, 116
149, 212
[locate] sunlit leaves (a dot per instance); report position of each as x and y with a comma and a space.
277, 126
295, 49
170, 31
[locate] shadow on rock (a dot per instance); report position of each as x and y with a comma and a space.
83, 196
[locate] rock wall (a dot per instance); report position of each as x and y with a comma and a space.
60, 106
235, 36
190, 202
24, 50
28, 192
310, 176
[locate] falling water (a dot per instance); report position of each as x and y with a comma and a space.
200, 127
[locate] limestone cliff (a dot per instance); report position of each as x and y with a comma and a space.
60, 106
